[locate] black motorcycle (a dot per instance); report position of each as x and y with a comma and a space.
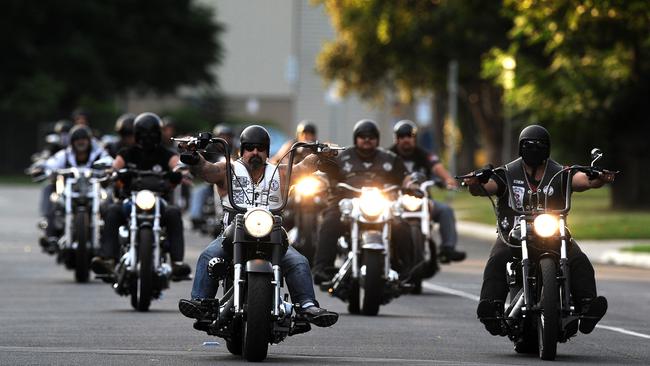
540, 311
307, 199
144, 269
252, 312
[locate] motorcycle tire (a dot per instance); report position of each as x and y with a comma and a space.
256, 332
307, 236
417, 256
548, 319
353, 298
372, 289
142, 284
81, 255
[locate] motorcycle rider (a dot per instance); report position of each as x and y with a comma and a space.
420, 161
83, 151
305, 132
200, 194
146, 154
124, 128
251, 167
367, 164
534, 168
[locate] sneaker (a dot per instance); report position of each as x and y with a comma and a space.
490, 314
180, 271
318, 316
592, 310
192, 309
447, 255
103, 266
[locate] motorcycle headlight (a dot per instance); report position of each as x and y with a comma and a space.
103, 195
145, 200
372, 202
258, 222
60, 184
308, 186
411, 203
546, 225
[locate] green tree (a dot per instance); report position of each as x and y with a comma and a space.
583, 69
58, 53
406, 46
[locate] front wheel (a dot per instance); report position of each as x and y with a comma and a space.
82, 257
257, 323
548, 318
142, 284
372, 289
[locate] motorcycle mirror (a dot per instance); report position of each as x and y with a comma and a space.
596, 154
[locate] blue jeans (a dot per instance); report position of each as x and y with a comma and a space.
444, 216
295, 269
199, 195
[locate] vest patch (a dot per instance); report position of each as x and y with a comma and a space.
517, 181
548, 190
367, 165
518, 193
387, 166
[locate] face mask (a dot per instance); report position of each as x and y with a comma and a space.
149, 142
534, 153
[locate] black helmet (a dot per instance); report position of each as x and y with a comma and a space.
80, 112
147, 130
222, 129
306, 126
534, 145
80, 132
124, 124
366, 126
405, 128
62, 126
255, 134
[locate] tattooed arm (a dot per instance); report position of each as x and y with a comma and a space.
214, 173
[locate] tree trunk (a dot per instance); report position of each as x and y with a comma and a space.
484, 103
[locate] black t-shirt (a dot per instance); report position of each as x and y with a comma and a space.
146, 160
420, 160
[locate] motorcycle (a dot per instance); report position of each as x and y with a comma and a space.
252, 313
539, 310
144, 270
416, 211
77, 198
308, 199
366, 279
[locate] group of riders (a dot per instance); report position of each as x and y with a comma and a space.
144, 144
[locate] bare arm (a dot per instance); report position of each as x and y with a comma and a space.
214, 173
581, 181
440, 171
308, 165
118, 163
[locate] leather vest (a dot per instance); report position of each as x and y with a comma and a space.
267, 193
524, 196
376, 171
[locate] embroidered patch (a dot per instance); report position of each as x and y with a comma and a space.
275, 185
518, 193
367, 165
387, 166
516, 181
347, 167
156, 168
409, 165
548, 190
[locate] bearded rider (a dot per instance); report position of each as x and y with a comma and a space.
364, 164
255, 176
420, 161
531, 171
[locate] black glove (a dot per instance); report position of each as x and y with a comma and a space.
328, 166
484, 173
174, 177
190, 158
592, 174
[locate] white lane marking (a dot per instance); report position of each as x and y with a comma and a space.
466, 295
624, 331
451, 291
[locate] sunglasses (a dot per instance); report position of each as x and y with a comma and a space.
251, 147
404, 135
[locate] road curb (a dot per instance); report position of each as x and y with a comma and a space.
598, 251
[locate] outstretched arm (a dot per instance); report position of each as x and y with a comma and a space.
214, 173
581, 182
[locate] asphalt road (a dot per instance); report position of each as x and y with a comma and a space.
48, 319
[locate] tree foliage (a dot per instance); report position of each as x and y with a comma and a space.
58, 51
406, 46
583, 69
